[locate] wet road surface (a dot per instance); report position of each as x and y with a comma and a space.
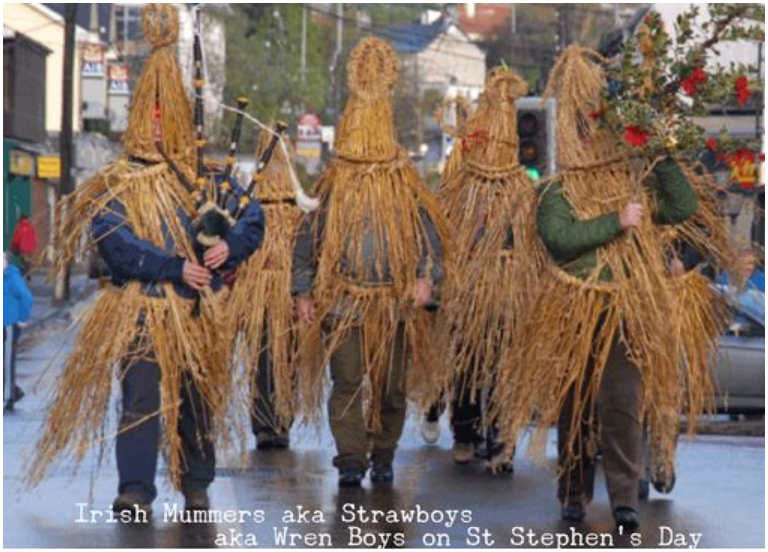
719, 494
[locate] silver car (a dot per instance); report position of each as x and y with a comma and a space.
740, 359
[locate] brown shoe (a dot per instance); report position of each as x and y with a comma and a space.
463, 453
140, 509
197, 500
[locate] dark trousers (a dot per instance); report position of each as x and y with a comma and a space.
138, 446
263, 416
11, 336
620, 434
345, 405
466, 414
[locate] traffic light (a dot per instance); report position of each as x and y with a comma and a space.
536, 129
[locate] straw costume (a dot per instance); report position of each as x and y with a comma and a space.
173, 366
263, 311
489, 201
608, 320
376, 234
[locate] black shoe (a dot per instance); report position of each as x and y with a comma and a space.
350, 477
573, 511
663, 485
135, 503
18, 394
626, 519
282, 441
382, 473
266, 440
643, 489
197, 500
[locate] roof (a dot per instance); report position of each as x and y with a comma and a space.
412, 38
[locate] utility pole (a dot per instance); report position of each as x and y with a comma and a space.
563, 21
337, 63
61, 292
303, 44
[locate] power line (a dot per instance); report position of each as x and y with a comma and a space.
388, 34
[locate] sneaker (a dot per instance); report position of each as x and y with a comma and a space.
430, 431
351, 476
135, 503
197, 500
463, 453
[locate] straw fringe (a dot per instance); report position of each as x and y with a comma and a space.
372, 198
489, 202
572, 323
111, 335
181, 343
261, 303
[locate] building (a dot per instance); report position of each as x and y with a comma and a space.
33, 58
437, 61
437, 54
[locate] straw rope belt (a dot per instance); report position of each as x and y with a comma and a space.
573, 281
346, 158
603, 163
609, 287
495, 173
368, 289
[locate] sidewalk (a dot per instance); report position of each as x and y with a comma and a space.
45, 308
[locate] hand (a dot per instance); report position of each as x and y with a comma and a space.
217, 255
195, 276
747, 264
305, 306
676, 267
422, 292
631, 215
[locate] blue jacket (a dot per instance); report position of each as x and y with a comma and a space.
130, 258
17, 299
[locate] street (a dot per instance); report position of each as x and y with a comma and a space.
718, 500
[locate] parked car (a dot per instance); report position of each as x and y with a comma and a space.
740, 360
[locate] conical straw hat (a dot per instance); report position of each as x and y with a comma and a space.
160, 94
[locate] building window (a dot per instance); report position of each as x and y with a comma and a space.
128, 23
8, 80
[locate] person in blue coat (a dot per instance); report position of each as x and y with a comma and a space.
128, 259
17, 306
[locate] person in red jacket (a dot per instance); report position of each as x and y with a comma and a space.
24, 243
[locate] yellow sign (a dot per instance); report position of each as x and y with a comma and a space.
21, 163
49, 167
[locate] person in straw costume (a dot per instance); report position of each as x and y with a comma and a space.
489, 202
263, 311
605, 332
172, 365
364, 266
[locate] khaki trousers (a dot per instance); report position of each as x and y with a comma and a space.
345, 406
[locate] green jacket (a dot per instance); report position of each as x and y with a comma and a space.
574, 243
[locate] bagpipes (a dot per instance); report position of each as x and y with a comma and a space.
213, 189
213, 216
